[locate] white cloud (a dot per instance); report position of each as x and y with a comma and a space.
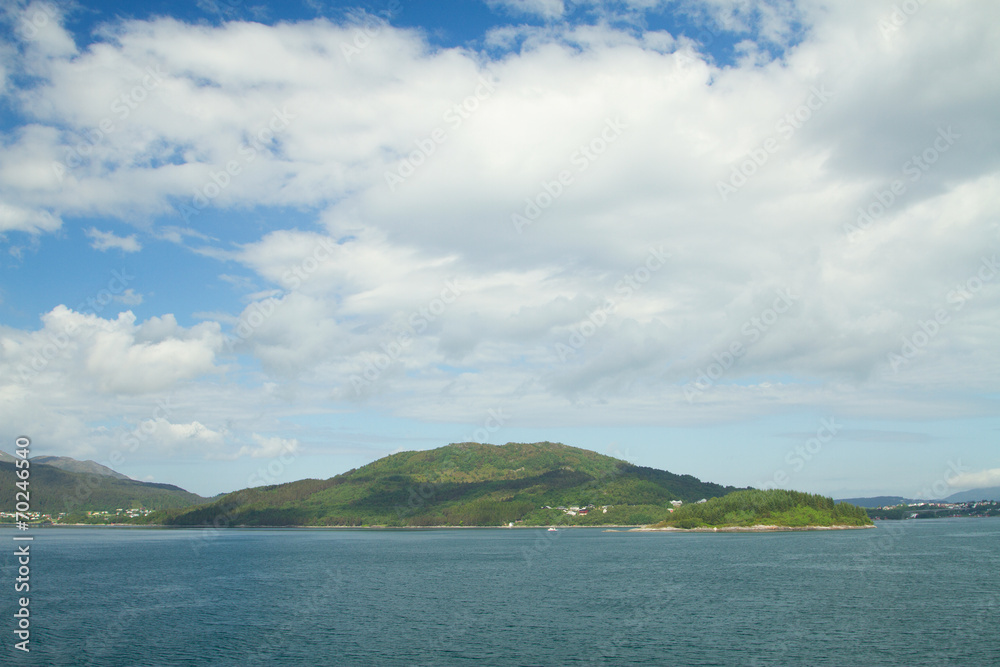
772, 20
128, 298
109, 356
264, 447
976, 480
104, 241
326, 303
15, 218
193, 437
270, 447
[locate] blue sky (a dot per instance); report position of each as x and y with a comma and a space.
246, 243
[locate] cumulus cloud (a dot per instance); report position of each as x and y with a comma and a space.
855, 170
110, 356
186, 438
269, 447
976, 480
151, 357
16, 218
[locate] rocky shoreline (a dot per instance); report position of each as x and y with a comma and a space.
744, 529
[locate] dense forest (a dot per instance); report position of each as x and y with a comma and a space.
54, 490
466, 484
775, 507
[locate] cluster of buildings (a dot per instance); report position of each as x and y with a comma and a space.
32, 516
977, 508
130, 513
575, 510
39, 517
970, 505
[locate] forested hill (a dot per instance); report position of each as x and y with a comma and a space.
463, 484
54, 490
775, 507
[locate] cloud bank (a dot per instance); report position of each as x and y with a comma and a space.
586, 223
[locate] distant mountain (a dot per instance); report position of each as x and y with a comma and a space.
6, 458
73, 465
467, 484
55, 490
989, 493
877, 501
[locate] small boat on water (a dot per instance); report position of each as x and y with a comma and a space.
552, 529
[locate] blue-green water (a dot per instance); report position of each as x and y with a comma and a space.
913, 593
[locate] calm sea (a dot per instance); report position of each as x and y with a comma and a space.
907, 593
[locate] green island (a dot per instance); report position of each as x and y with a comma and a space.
774, 509
464, 484
458, 485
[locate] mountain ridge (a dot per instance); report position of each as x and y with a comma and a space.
972, 495
57, 488
75, 465
463, 484
986, 493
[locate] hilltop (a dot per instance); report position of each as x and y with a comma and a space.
464, 484
73, 465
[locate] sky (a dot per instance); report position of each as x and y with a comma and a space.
756, 242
